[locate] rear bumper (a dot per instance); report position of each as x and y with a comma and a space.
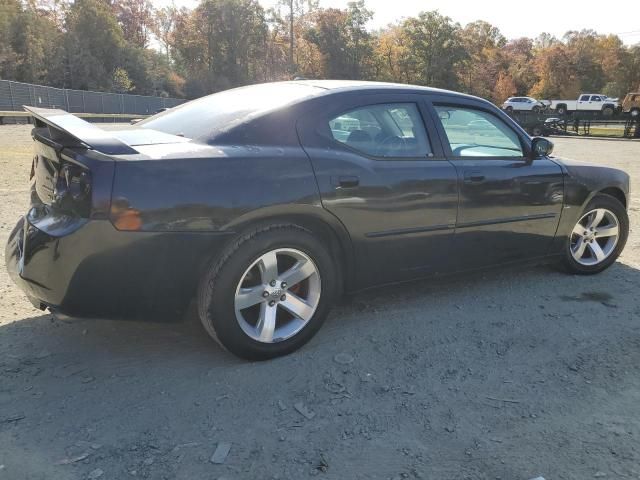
87, 267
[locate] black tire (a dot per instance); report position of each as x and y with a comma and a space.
561, 110
509, 109
217, 288
536, 109
607, 111
635, 113
537, 131
614, 205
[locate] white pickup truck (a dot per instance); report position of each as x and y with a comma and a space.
588, 102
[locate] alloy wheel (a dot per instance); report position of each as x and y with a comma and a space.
595, 236
277, 295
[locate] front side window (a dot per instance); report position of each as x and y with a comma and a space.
595, 98
385, 130
476, 133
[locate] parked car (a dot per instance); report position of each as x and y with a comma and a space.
631, 104
524, 104
587, 102
265, 203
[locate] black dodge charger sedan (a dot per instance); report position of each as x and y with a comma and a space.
265, 203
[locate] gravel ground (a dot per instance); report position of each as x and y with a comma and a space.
506, 374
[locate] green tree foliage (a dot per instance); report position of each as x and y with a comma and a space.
121, 81
329, 35
126, 45
94, 44
437, 50
28, 43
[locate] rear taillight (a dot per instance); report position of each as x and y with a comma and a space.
72, 190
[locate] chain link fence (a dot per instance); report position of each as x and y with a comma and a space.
13, 95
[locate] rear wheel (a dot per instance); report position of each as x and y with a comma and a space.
561, 110
269, 293
509, 109
635, 113
598, 237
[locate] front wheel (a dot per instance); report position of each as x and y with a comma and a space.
598, 237
269, 293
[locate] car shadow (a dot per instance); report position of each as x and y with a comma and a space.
446, 347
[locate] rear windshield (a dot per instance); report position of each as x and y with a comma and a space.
206, 117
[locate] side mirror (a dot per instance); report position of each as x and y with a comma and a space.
541, 147
444, 114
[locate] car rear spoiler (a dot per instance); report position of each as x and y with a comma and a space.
68, 130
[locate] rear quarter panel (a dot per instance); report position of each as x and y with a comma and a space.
202, 188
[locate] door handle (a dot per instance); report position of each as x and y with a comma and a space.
345, 181
473, 177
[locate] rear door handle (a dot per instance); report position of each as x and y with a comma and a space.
345, 181
473, 177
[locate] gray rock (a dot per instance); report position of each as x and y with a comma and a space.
220, 455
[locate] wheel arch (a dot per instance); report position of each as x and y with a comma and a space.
614, 192
313, 218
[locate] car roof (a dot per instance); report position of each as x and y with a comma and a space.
362, 85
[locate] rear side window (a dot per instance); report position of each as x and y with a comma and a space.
385, 130
476, 133
209, 116
584, 98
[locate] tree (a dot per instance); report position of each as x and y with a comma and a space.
360, 41
221, 44
437, 50
581, 48
393, 57
342, 40
557, 74
10, 10
329, 35
164, 26
518, 60
30, 42
94, 45
121, 81
124, 45
136, 18
504, 88
482, 43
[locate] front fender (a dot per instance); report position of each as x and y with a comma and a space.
583, 181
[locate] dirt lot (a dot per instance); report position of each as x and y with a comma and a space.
505, 375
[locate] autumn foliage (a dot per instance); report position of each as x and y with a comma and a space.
128, 45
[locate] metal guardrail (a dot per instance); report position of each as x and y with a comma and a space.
13, 95
114, 117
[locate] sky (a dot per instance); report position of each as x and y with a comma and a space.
526, 18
